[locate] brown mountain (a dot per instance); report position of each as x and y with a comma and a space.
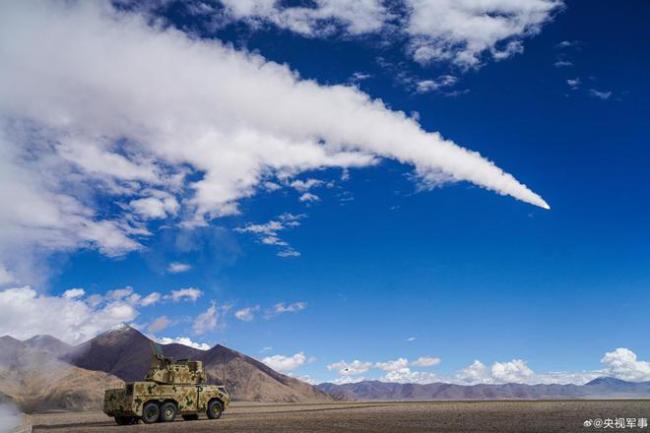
32, 378
126, 353
376, 390
249, 379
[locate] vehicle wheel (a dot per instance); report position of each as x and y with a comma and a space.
150, 412
215, 409
191, 417
168, 412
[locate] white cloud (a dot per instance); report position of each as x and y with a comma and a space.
476, 372
394, 365
342, 380
157, 205
574, 83
285, 363
426, 361
604, 95
456, 31
426, 86
74, 293
353, 368
188, 293
518, 371
305, 185
246, 314
185, 341
177, 267
268, 233
328, 16
411, 339
406, 375
150, 299
25, 313
159, 324
281, 308
515, 371
206, 321
462, 31
90, 132
309, 197
623, 364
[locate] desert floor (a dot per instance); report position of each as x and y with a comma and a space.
398, 417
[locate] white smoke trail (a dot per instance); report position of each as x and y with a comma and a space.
80, 76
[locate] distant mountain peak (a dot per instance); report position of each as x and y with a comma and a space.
607, 380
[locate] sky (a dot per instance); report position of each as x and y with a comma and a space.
407, 190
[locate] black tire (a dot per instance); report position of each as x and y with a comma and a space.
168, 412
150, 412
126, 420
215, 409
191, 417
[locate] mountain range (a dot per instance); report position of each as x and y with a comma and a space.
603, 387
44, 373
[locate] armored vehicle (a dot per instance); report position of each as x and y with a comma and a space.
171, 388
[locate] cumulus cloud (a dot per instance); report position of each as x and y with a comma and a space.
185, 341
353, 368
177, 267
125, 111
73, 319
394, 365
309, 197
406, 375
456, 31
327, 17
268, 233
188, 293
397, 370
155, 205
285, 363
74, 293
623, 364
305, 185
462, 31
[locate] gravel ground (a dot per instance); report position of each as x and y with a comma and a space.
393, 417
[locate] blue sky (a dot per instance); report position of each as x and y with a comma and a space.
383, 263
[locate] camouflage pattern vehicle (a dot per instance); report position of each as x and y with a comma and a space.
171, 388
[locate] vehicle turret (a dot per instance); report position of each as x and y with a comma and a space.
169, 372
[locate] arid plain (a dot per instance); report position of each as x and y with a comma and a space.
383, 417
